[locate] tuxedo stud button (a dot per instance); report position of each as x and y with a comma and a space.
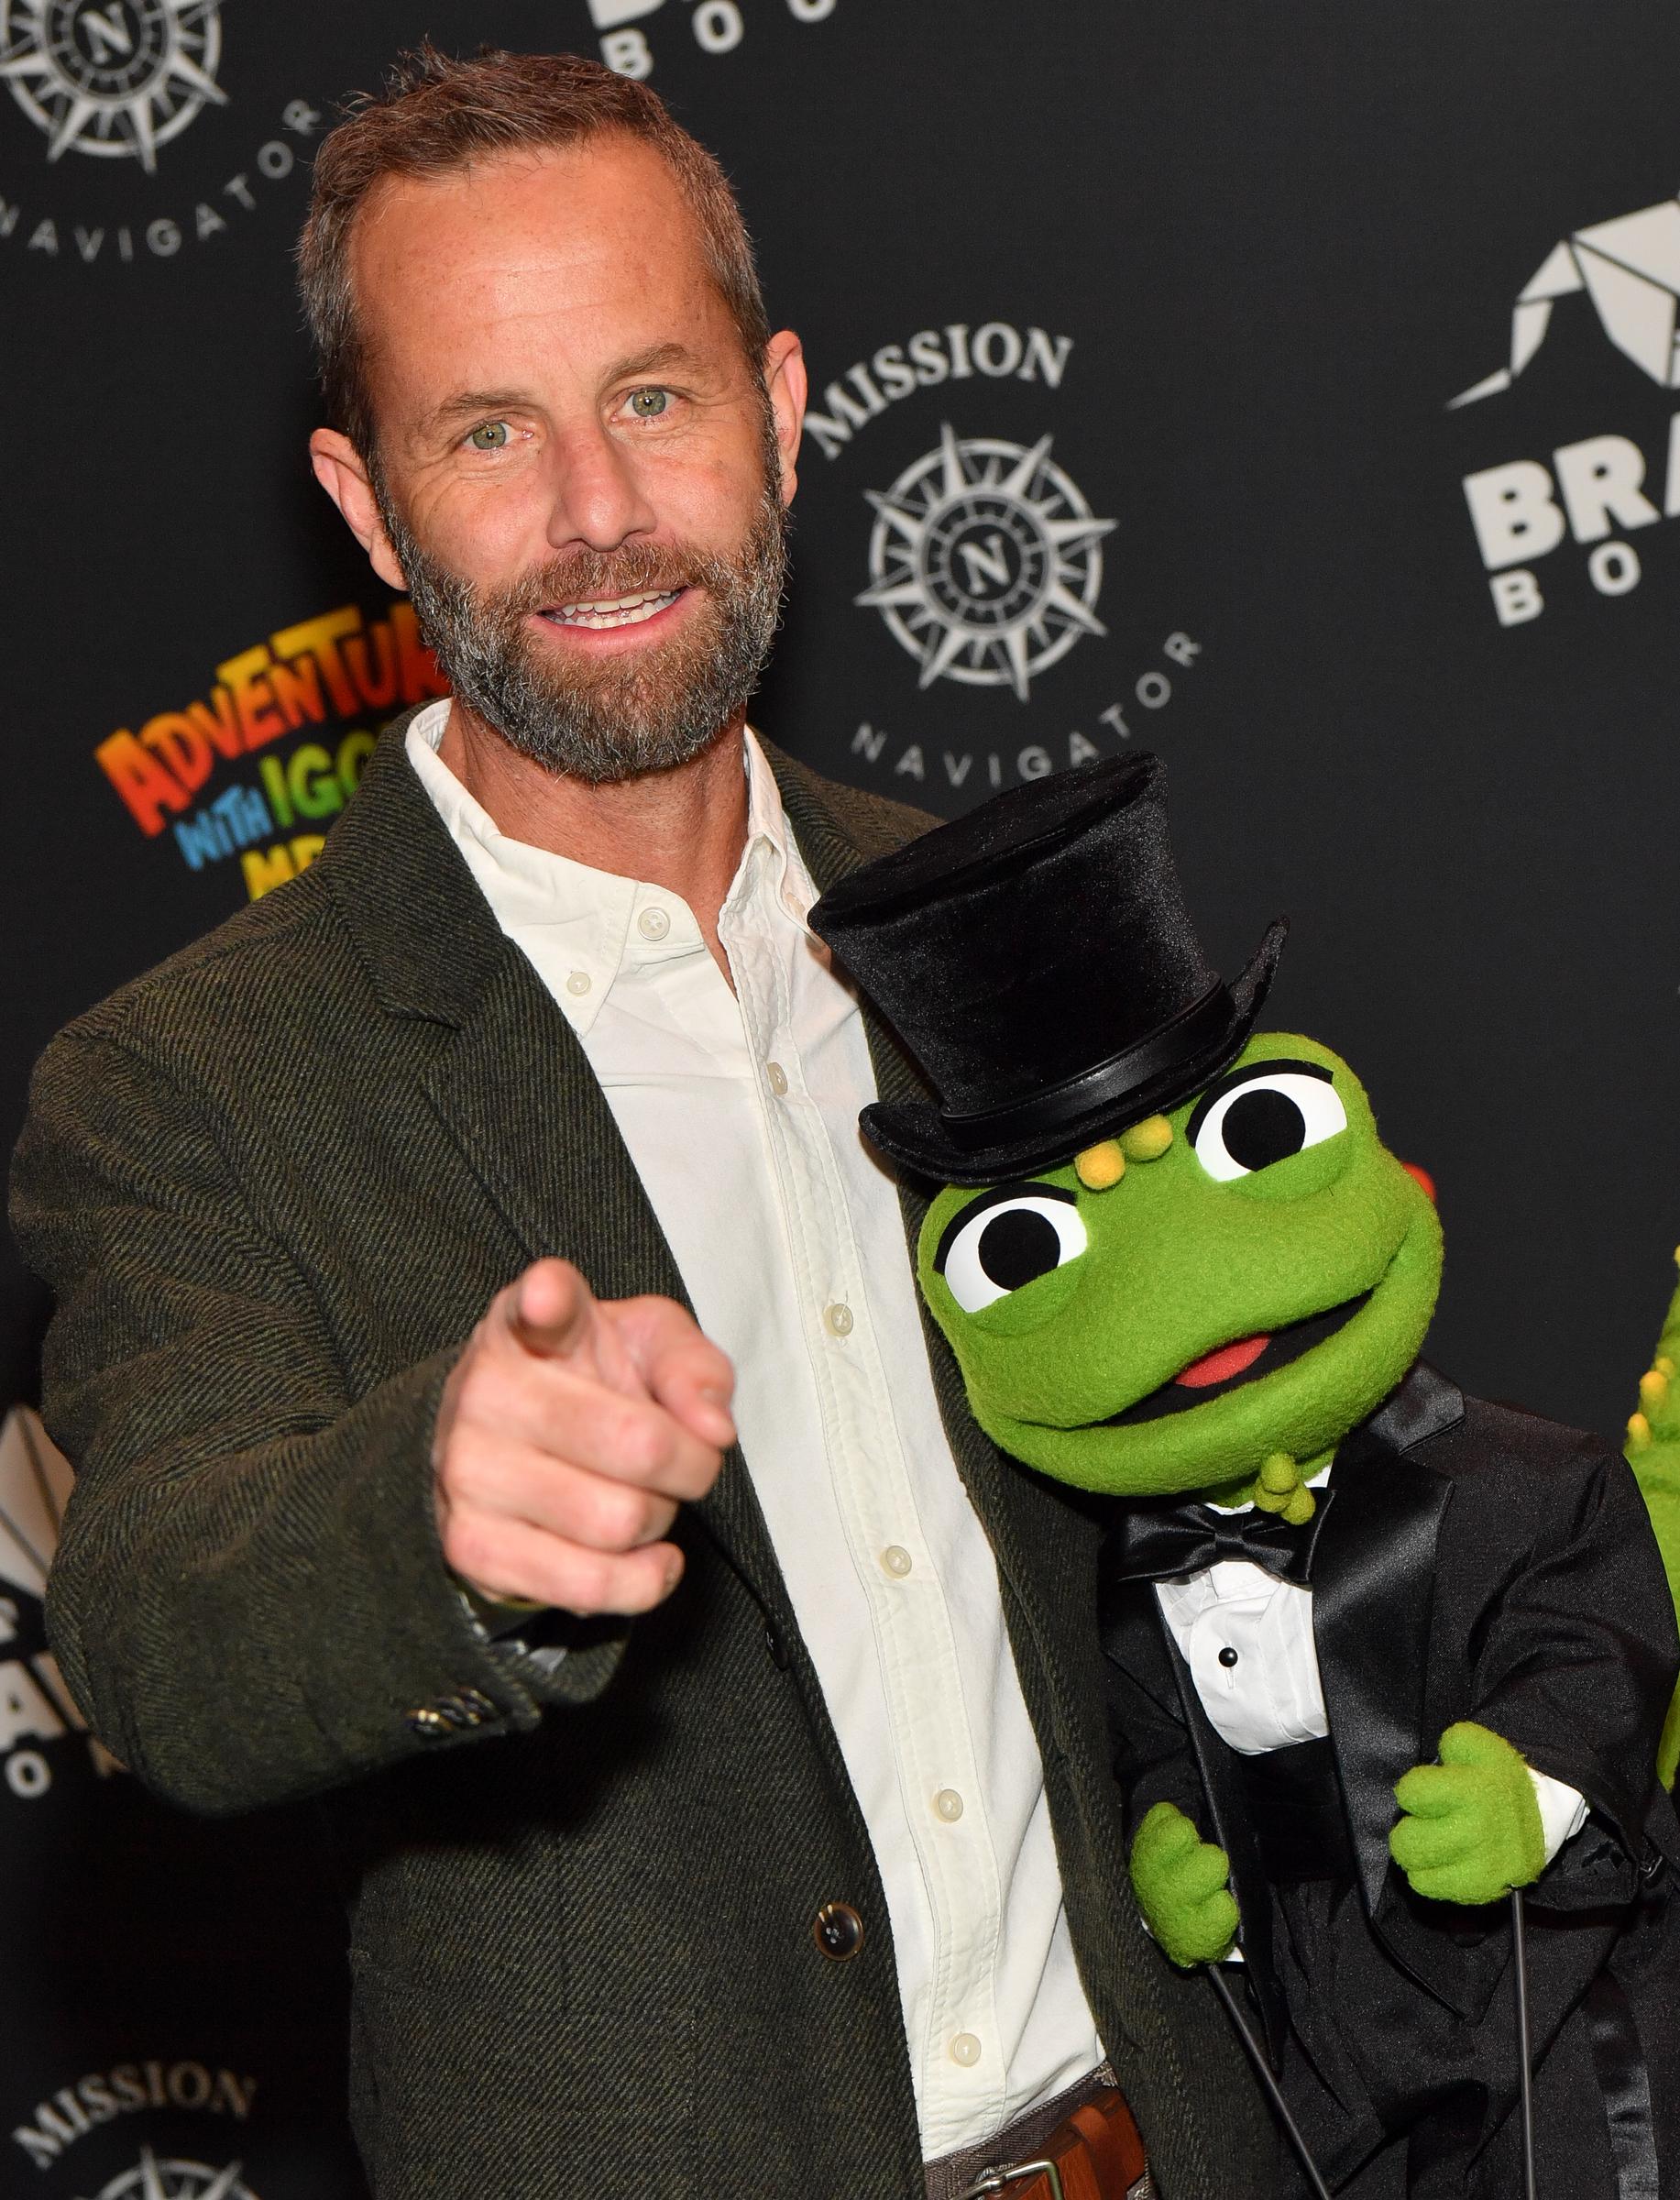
838, 1932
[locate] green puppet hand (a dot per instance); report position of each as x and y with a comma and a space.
1652, 1450
1471, 1828
1181, 1884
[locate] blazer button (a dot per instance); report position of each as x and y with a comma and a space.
838, 1932
428, 1723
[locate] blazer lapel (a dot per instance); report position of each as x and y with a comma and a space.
510, 1082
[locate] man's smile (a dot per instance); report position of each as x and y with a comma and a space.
602, 613
1243, 1361
608, 614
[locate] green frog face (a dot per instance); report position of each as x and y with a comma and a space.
1249, 1276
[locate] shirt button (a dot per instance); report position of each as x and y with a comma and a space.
653, 924
896, 1560
579, 983
779, 1079
965, 2049
839, 1318
948, 1804
1227, 1657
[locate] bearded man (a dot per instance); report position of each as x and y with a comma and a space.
718, 1816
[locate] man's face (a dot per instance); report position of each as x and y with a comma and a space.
580, 475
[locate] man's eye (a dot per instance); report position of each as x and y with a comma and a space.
1009, 1243
489, 435
648, 405
1266, 1118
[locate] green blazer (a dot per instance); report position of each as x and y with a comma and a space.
273, 1184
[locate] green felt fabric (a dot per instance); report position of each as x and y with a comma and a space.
1179, 1263
1653, 1453
1183, 1885
1471, 1828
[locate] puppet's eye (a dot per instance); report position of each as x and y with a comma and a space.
1019, 1232
1257, 1118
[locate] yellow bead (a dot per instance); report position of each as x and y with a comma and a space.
1652, 1390
1664, 1365
1148, 1140
1099, 1167
1638, 1433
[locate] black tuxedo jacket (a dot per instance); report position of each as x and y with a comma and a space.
1474, 1562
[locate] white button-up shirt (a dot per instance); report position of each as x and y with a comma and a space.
740, 1114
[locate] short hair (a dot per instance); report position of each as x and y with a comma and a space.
437, 115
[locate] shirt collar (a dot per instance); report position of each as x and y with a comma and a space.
767, 828
582, 925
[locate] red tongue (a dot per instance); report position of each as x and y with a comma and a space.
1219, 1366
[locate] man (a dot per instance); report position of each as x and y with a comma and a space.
713, 1822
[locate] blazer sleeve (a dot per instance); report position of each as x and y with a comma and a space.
1577, 1671
251, 1601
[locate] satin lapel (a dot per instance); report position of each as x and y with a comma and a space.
1373, 1587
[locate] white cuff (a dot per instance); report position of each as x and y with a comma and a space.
1563, 1811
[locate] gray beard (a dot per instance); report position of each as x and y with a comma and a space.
629, 716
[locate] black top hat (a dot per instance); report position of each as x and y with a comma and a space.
1037, 960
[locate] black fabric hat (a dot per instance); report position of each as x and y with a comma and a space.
1038, 962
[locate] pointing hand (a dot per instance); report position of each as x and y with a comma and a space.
570, 1430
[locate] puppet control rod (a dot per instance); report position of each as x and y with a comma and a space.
1320, 2190
1274, 2092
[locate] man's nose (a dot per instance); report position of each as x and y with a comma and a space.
599, 498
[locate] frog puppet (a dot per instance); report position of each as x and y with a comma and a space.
1376, 1652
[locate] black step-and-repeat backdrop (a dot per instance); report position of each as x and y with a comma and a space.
1292, 390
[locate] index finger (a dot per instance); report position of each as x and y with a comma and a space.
554, 1315
547, 1308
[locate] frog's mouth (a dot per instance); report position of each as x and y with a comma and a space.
1245, 1359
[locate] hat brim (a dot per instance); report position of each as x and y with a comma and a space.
913, 1133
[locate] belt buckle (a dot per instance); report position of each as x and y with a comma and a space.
998, 2180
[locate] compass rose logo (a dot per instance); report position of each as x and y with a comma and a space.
117, 78
985, 562
156, 2180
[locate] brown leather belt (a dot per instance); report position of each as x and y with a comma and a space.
1093, 2154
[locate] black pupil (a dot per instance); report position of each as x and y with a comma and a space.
1018, 1244
1262, 1127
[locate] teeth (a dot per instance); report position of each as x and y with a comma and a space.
617, 610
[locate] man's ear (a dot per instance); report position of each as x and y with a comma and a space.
341, 472
785, 379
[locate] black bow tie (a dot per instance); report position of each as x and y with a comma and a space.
1158, 1545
